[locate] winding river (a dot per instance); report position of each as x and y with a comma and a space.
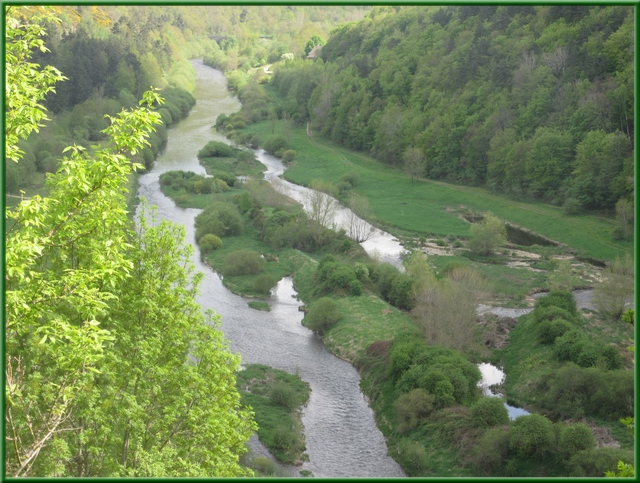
341, 435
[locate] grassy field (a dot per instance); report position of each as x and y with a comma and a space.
431, 207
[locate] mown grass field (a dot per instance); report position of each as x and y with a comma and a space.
425, 207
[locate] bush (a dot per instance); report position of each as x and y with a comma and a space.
491, 450
401, 294
263, 466
322, 315
488, 412
531, 435
567, 347
413, 407
540, 314
559, 298
595, 462
351, 178
355, 288
549, 330
276, 143
285, 439
288, 156
243, 262
220, 219
215, 149
264, 283
487, 235
283, 395
574, 438
413, 457
228, 178
209, 242
361, 271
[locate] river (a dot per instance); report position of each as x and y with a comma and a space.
341, 435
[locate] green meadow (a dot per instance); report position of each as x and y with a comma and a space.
432, 207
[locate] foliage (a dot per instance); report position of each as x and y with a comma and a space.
413, 407
487, 235
596, 462
209, 242
488, 412
624, 471
574, 438
216, 149
562, 299
322, 316
220, 219
616, 291
531, 435
491, 450
275, 144
243, 262
550, 330
264, 283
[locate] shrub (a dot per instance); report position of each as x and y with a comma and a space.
228, 178
612, 357
489, 411
401, 294
567, 347
531, 435
355, 287
288, 156
413, 457
549, 330
285, 439
243, 262
574, 438
322, 315
351, 178
276, 143
220, 219
559, 298
264, 283
243, 201
491, 450
412, 407
595, 462
209, 242
283, 395
263, 466
216, 149
487, 235
361, 271
540, 314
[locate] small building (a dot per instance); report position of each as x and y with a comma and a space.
315, 52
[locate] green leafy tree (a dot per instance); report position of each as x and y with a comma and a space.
313, 41
616, 290
85, 298
487, 235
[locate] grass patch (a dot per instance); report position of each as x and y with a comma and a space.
241, 165
275, 397
426, 207
263, 306
365, 319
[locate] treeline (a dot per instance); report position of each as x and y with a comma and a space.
534, 102
263, 34
108, 65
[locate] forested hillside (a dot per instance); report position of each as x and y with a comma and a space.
110, 55
534, 102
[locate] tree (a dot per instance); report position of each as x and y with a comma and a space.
616, 290
320, 206
413, 162
358, 228
86, 298
531, 435
624, 217
487, 235
313, 41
